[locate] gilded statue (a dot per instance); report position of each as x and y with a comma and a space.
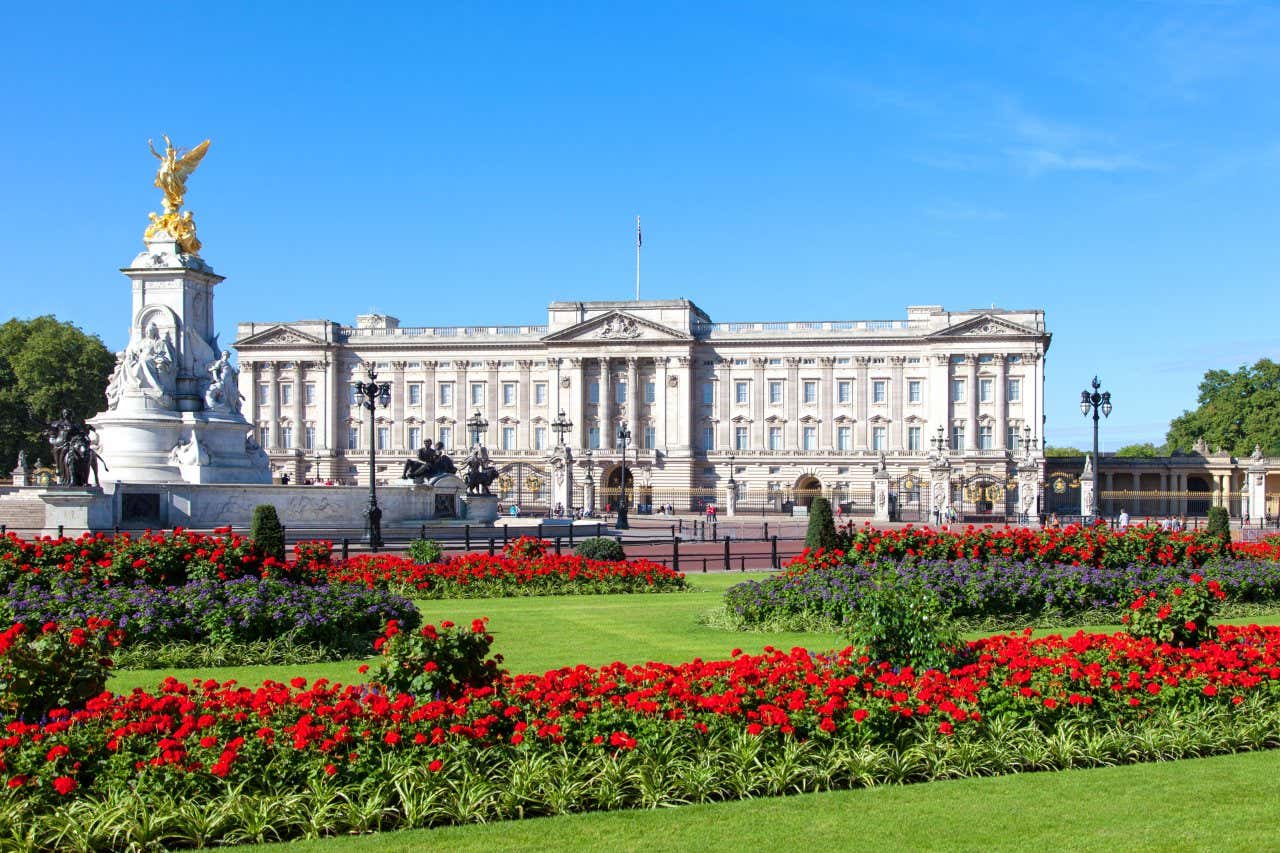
171, 178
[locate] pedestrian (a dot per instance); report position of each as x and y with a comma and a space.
1124, 519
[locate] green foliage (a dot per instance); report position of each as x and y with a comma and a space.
436, 663
425, 551
1219, 523
46, 366
1179, 615
904, 623
1053, 451
55, 666
1146, 450
266, 532
526, 548
822, 527
600, 548
1235, 411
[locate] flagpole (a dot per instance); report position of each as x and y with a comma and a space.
639, 243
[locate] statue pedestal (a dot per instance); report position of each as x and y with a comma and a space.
561, 462
880, 493
1256, 491
168, 447
481, 509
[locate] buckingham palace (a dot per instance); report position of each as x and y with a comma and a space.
786, 410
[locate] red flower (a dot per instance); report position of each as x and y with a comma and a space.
64, 785
435, 766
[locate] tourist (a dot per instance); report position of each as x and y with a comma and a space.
1124, 519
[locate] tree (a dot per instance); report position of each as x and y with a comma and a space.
822, 527
46, 366
1050, 450
1146, 450
1236, 411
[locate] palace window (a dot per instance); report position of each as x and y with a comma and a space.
809, 438
415, 395
539, 393
286, 437
708, 438
957, 438
879, 438
740, 438
1013, 437
775, 438
844, 391
593, 393
913, 391
508, 438
384, 437
810, 391
309, 393
775, 392
957, 390
650, 392
593, 438
620, 392
740, 392
446, 437
477, 393
415, 438
508, 393
309, 438
986, 390
353, 438
844, 436
879, 390
286, 393
649, 438
985, 441
1015, 390
264, 392
913, 438
446, 393
539, 438
708, 393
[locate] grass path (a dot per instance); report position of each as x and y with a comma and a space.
1222, 803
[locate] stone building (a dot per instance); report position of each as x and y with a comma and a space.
788, 409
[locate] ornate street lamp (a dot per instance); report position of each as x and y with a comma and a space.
733, 484
372, 394
1095, 402
624, 438
940, 440
561, 426
590, 486
477, 425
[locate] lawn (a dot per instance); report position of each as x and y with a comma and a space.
1158, 806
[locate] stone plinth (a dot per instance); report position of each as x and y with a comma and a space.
481, 509
880, 496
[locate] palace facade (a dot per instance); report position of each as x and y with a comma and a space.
787, 409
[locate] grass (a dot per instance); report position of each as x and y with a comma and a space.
1223, 803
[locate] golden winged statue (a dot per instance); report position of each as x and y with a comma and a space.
175, 167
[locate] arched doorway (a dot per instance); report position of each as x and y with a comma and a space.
613, 488
1197, 505
806, 489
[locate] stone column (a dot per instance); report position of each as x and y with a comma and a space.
660, 399
685, 395
429, 426
971, 392
577, 400
1164, 492
758, 391
827, 402
336, 398
862, 435
275, 405
491, 393
939, 397
724, 396
1255, 490
791, 429
897, 431
254, 372
880, 495
1002, 415
398, 439
633, 400
605, 409
461, 404
299, 405
524, 402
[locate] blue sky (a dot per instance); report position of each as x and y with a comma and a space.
1117, 164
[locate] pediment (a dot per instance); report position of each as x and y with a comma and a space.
616, 327
986, 325
280, 335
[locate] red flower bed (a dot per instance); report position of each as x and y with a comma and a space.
482, 575
1072, 545
193, 737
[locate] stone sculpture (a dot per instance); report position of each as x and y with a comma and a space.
480, 472
429, 462
223, 393
171, 178
74, 457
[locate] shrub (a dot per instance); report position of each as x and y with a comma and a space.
1219, 524
822, 528
266, 532
433, 663
903, 623
425, 551
1179, 615
58, 666
313, 552
526, 548
600, 548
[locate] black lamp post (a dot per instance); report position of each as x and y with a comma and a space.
371, 394
733, 484
478, 425
624, 438
940, 441
590, 485
561, 426
1095, 402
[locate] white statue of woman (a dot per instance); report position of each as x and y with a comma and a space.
151, 363
223, 393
